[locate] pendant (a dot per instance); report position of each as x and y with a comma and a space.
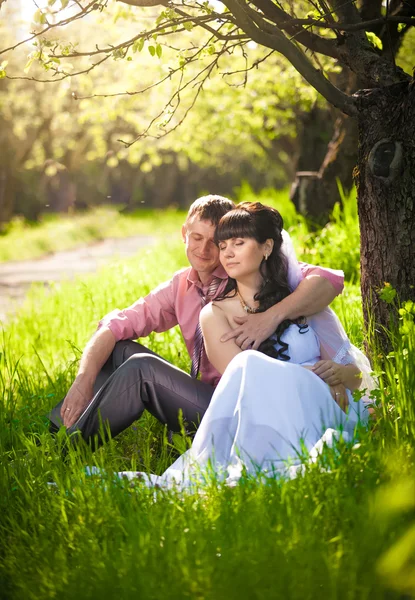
247, 309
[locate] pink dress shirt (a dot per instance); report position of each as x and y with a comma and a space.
177, 302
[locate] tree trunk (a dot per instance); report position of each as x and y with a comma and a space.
315, 190
7, 193
385, 178
328, 156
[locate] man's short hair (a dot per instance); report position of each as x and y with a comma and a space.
210, 208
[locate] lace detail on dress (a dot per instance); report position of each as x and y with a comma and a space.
343, 357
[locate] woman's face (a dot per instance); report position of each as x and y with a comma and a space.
241, 257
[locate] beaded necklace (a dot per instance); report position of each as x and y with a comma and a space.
245, 306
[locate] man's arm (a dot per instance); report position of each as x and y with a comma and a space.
312, 295
154, 312
95, 355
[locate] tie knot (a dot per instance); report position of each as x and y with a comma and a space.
211, 291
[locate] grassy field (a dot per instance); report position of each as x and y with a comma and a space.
22, 240
344, 530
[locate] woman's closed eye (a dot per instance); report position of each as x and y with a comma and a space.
234, 243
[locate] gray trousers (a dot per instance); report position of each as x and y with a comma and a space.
135, 379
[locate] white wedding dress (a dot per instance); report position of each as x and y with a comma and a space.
266, 416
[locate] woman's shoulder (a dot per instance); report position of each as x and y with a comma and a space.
225, 304
211, 310
217, 310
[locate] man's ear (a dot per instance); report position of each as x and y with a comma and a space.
184, 233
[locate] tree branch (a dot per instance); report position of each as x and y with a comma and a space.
60, 74
89, 8
390, 36
260, 31
144, 3
171, 73
159, 30
357, 53
283, 20
176, 98
348, 26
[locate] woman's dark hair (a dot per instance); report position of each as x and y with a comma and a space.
254, 220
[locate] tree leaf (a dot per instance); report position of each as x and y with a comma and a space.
138, 45
159, 50
28, 65
152, 50
39, 17
374, 40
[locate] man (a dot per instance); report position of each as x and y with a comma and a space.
118, 380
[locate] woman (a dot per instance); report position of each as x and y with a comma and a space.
269, 403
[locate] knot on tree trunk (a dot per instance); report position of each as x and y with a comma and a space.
385, 160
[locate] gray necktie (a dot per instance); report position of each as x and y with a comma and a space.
198, 348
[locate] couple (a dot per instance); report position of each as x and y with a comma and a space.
262, 406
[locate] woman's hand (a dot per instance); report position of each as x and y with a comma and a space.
338, 391
339, 394
330, 372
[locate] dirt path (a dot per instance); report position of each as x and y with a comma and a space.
16, 277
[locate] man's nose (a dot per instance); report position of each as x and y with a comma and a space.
205, 246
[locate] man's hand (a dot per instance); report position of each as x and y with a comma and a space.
252, 330
78, 397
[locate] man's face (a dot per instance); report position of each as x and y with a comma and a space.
201, 250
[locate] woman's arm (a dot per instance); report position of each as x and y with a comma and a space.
335, 374
215, 324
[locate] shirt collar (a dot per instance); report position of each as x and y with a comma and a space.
193, 276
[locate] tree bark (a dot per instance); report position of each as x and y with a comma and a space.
385, 178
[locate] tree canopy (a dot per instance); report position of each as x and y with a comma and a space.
364, 36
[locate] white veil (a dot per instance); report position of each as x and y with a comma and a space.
327, 325
294, 272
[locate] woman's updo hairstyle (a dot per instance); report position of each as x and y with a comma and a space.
254, 220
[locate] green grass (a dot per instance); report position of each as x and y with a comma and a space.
341, 531
22, 240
